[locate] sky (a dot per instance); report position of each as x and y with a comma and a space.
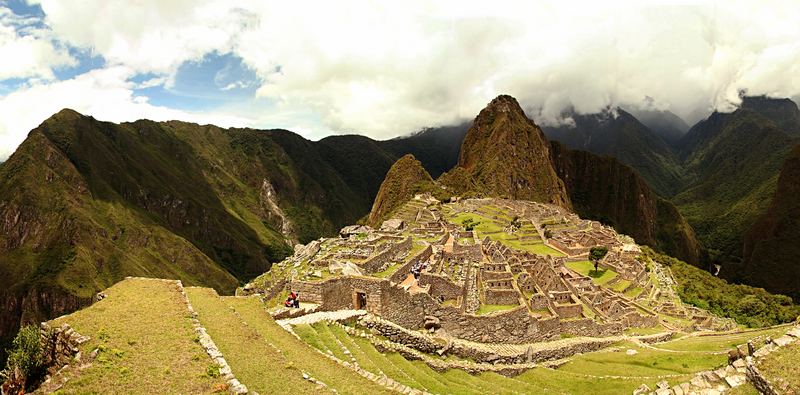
384, 69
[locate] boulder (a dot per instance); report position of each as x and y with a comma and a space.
393, 224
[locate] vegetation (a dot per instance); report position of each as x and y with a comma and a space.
596, 254
749, 306
145, 340
26, 357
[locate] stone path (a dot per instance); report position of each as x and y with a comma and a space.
339, 315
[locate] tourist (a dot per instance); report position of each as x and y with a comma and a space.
292, 300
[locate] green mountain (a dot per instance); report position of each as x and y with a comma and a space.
619, 134
405, 178
606, 190
436, 148
732, 163
772, 244
505, 154
84, 203
665, 124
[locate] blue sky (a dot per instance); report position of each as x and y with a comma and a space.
383, 69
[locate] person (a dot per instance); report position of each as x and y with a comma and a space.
296, 300
415, 271
292, 300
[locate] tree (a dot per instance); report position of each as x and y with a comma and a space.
596, 254
470, 224
25, 364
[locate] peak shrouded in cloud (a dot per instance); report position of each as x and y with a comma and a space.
384, 69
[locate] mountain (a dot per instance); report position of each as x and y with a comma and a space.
436, 148
84, 203
732, 161
505, 154
772, 245
619, 134
405, 178
665, 124
604, 189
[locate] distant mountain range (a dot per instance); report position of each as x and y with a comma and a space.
84, 203
722, 174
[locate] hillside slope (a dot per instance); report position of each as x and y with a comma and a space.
733, 160
772, 245
406, 178
604, 189
621, 135
505, 154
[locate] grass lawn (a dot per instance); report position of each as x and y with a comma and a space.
646, 362
586, 268
645, 331
302, 357
782, 367
147, 343
719, 342
634, 292
491, 308
620, 285
253, 359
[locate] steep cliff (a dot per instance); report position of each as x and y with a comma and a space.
405, 178
604, 189
505, 154
772, 246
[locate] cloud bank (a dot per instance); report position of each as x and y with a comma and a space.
388, 68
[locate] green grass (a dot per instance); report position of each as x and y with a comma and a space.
252, 357
646, 362
645, 331
301, 355
620, 285
719, 343
491, 308
146, 340
782, 367
586, 268
634, 292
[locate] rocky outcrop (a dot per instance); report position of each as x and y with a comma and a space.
505, 154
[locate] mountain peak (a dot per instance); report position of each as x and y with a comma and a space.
405, 178
506, 154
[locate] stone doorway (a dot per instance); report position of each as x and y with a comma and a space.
360, 300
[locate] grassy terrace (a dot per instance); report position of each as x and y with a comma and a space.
303, 357
586, 268
488, 227
782, 367
589, 371
646, 362
252, 357
147, 343
720, 343
491, 308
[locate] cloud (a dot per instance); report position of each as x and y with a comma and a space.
26, 50
106, 94
388, 68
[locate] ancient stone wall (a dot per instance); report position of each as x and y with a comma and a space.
501, 296
402, 272
377, 262
441, 288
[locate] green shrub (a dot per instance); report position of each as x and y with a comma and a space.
750, 306
26, 355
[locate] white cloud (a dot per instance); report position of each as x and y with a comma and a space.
27, 51
106, 94
387, 68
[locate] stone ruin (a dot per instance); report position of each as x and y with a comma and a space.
529, 296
